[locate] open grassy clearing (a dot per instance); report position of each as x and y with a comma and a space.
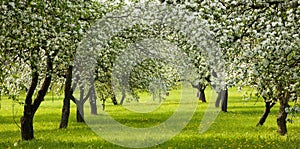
235, 129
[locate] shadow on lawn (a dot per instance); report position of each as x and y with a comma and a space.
9, 119
78, 135
181, 141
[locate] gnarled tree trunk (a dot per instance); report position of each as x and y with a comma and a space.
268, 106
66, 103
30, 108
27, 118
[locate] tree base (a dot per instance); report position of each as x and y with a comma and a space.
26, 128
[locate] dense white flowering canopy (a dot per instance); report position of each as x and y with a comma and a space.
31, 31
260, 41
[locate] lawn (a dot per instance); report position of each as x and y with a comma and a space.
234, 129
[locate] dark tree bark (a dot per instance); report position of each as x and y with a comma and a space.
222, 97
200, 91
281, 119
201, 94
268, 106
66, 103
79, 103
27, 118
93, 101
114, 100
224, 100
103, 104
30, 108
27, 127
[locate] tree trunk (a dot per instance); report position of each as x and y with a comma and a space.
30, 108
114, 100
268, 106
80, 103
281, 119
27, 124
27, 118
80, 113
217, 104
222, 96
79, 106
93, 101
123, 97
200, 91
103, 104
201, 94
224, 100
66, 103
93, 107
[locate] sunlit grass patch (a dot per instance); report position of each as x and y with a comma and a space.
234, 129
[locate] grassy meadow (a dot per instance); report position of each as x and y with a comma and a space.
234, 129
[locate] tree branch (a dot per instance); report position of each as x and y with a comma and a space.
34, 82
46, 83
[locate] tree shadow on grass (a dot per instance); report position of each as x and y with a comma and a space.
81, 136
181, 141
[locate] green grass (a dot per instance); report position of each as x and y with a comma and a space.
234, 129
